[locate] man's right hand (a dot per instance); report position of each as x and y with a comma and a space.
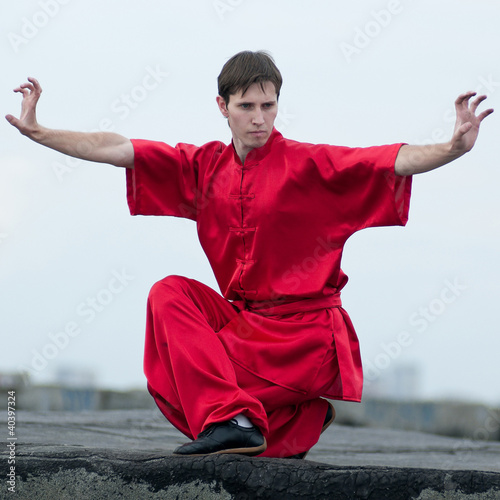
103, 147
26, 123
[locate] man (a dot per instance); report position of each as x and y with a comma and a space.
247, 372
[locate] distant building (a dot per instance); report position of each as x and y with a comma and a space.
399, 382
14, 381
76, 378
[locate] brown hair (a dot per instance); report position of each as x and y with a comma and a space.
246, 68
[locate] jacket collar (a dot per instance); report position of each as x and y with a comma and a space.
257, 154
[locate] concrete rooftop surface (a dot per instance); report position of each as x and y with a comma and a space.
127, 454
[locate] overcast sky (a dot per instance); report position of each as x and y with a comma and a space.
75, 268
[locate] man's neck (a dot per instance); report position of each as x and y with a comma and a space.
241, 150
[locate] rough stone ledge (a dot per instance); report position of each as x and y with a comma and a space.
88, 474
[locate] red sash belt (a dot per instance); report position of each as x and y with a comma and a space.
270, 308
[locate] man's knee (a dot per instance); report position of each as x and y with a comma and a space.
168, 287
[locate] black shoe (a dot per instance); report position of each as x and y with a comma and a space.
226, 437
329, 418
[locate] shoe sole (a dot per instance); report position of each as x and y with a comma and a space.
238, 451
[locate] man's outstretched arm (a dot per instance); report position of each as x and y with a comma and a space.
104, 147
418, 159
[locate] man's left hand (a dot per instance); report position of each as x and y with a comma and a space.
467, 124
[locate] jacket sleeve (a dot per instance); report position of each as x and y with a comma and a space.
165, 179
368, 193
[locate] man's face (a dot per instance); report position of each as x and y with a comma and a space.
251, 116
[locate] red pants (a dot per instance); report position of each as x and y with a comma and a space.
195, 383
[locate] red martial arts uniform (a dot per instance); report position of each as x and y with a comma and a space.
273, 230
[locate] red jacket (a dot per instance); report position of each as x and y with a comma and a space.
273, 230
